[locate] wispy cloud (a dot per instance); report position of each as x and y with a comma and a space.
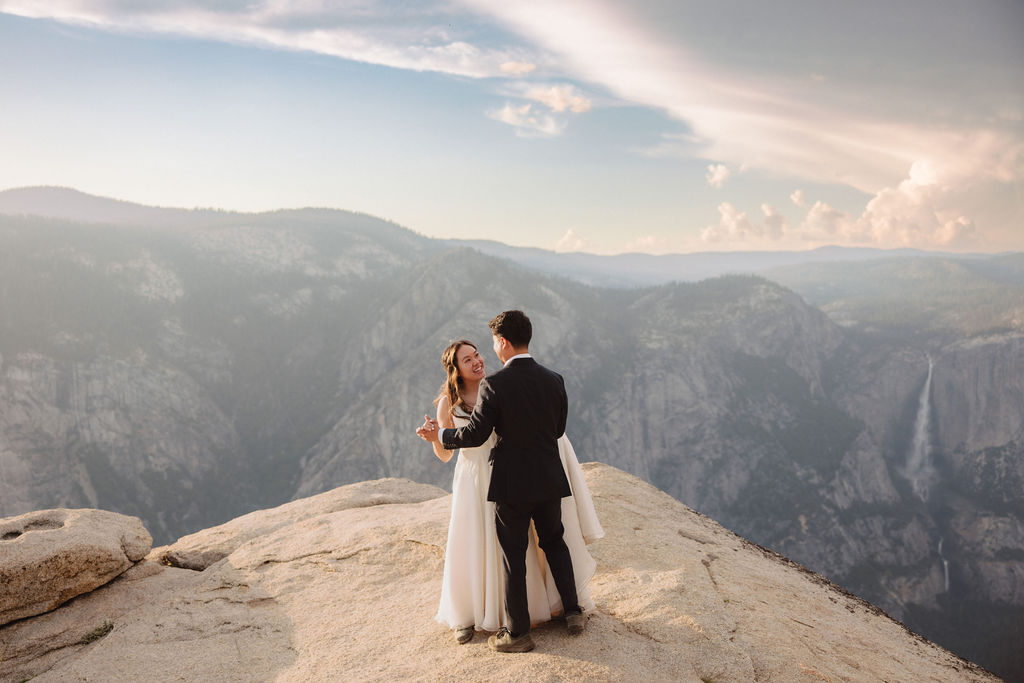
927, 181
560, 98
549, 116
420, 37
788, 127
517, 68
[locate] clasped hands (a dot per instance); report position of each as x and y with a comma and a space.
430, 429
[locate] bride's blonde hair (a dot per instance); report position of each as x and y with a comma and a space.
453, 384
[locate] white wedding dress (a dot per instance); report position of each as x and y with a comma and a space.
473, 588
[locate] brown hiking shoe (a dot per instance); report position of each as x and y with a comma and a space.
575, 622
464, 635
502, 641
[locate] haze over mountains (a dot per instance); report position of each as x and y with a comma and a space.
859, 412
622, 270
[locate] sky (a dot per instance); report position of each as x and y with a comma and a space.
650, 126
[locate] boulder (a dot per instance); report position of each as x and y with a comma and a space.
50, 556
199, 550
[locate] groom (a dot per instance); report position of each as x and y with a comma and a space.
525, 404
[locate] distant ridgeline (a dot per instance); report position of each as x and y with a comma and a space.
861, 412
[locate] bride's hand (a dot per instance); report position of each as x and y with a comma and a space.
429, 430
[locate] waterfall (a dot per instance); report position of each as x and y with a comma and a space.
920, 470
945, 566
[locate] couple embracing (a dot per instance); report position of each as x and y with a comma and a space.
521, 511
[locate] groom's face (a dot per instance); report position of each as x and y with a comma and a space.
500, 347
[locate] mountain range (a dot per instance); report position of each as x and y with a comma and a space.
860, 412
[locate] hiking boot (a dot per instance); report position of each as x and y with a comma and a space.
575, 621
502, 641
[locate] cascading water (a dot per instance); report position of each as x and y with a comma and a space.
945, 567
919, 469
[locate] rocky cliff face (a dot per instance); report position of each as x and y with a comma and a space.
191, 374
113, 430
344, 586
174, 375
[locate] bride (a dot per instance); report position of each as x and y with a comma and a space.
472, 591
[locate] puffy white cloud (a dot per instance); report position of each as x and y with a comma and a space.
528, 120
826, 224
916, 213
735, 226
717, 174
560, 98
775, 224
932, 207
571, 241
927, 208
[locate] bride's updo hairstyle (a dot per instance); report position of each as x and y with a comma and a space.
453, 380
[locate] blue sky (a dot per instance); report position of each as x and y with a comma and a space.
657, 126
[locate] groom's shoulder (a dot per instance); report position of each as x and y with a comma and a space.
545, 370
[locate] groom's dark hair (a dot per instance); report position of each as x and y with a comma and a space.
514, 326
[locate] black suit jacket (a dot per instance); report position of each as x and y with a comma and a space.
526, 406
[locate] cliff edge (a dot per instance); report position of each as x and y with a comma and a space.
344, 585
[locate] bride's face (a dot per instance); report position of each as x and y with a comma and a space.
470, 363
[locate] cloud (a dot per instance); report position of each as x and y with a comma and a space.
825, 224
732, 226
807, 128
531, 120
924, 210
517, 68
671, 145
571, 241
775, 225
927, 208
917, 212
560, 98
528, 120
717, 175
415, 37
735, 226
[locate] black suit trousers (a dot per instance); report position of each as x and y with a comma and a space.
513, 527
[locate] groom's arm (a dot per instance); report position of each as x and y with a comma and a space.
563, 406
564, 414
481, 422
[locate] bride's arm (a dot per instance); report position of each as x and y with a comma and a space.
444, 417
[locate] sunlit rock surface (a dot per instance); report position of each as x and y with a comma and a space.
349, 594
